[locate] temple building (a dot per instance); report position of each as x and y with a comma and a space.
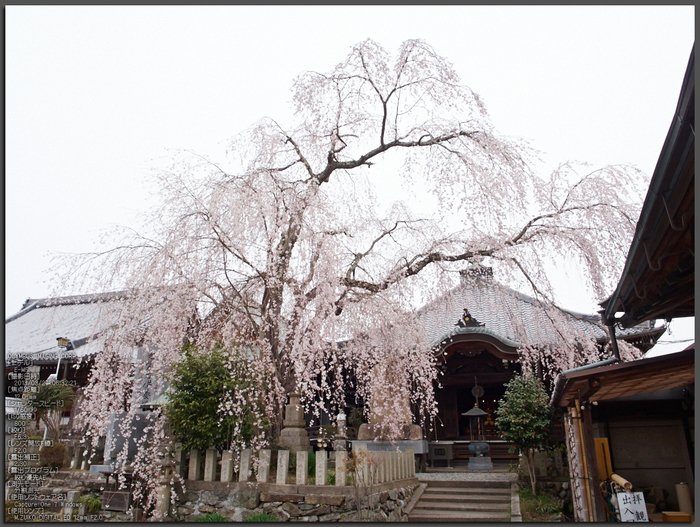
476, 331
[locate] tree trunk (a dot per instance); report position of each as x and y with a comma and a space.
530, 454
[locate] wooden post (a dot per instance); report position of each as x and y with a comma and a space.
597, 497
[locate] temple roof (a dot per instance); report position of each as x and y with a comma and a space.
658, 280
82, 319
514, 318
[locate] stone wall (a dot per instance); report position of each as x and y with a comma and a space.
240, 500
308, 503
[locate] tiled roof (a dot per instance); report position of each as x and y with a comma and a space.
82, 319
515, 318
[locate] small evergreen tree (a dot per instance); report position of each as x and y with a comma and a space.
202, 388
524, 418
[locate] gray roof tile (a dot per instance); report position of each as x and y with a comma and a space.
517, 319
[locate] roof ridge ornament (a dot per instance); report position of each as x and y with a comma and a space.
476, 271
468, 321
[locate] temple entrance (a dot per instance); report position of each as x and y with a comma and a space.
464, 364
488, 403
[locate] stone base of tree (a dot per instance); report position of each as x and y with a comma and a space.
410, 432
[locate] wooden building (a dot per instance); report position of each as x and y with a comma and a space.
658, 281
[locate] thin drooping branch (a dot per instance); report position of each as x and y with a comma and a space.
287, 254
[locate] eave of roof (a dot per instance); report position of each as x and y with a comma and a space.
611, 381
84, 319
659, 275
503, 344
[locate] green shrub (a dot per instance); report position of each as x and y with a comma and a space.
330, 478
211, 517
261, 517
200, 382
52, 456
524, 418
542, 503
547, 505
312, 464
92, 502
356, 417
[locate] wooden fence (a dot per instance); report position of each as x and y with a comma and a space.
377, 467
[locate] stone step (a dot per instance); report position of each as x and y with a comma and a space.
462, 506
448, 497
457, 516
464, 484
468, 490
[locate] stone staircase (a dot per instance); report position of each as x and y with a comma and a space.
466, 500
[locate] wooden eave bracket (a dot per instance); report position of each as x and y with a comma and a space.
591, 387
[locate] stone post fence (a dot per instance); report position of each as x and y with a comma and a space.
388, 466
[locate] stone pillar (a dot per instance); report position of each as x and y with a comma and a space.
195, 465
340, 442
393, 468
361, 469
381, 468
263, 466
293, 435
302, 467
77, 457
410, 453
321, 467
86, 458
245, 465
67, 510
162, 509
341, 475
210, 464
226, 465
282, 466
179, 460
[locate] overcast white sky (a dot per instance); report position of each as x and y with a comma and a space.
97, 96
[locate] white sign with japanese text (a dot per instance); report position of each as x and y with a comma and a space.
632, 507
